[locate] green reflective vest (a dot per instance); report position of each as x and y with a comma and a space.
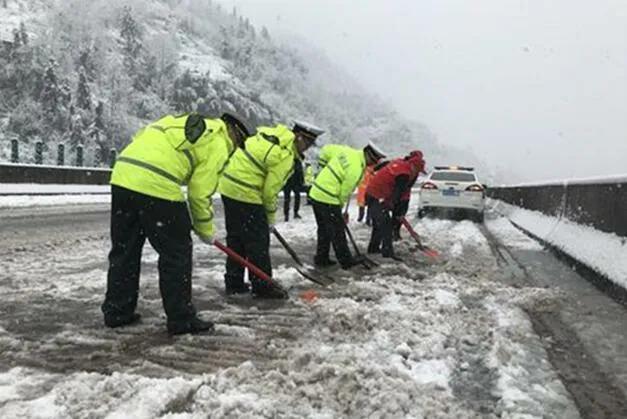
328, 152
309, 176
159, 161
256, 173
338, 179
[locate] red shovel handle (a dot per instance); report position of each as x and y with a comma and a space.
411, 230
252, 268
429, 252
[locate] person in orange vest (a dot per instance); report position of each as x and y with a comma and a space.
361, 195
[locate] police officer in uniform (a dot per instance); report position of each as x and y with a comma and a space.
148, 203
249, 186
343, 169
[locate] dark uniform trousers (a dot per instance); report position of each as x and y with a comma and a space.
331, 230
248, 234
167, 225
400, 210
381, 237
287, 191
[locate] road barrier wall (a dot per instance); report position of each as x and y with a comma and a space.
600, 203
26, 173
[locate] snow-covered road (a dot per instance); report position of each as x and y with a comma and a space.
459, 338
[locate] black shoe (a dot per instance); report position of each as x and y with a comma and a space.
297, 217
393, 256
324, 263
118, 321
244, 288
373, 251
274, 293
194, 325
352, 262
287, 218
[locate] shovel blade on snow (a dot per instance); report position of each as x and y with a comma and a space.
314, 276
432, 253
306, 272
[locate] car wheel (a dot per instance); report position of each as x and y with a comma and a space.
479, 217
422, 212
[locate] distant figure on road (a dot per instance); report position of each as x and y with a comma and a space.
294, 184
147, 202
361, 195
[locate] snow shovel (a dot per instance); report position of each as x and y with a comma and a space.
432, 253
251, 267
367, 262
301, 268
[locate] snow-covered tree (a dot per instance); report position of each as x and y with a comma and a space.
83, 94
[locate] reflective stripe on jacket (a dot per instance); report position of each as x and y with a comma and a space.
338, 179
328, 152
256, 173
309, 176
159, 161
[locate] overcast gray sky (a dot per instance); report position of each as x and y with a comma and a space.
536, 86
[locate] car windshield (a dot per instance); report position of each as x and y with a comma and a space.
454, 176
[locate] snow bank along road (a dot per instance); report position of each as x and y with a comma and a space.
499, 328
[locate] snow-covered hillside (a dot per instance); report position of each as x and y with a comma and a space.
91, 73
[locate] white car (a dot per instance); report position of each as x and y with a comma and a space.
452, 188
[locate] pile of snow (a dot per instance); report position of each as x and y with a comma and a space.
606, 253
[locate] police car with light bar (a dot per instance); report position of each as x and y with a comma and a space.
452, 188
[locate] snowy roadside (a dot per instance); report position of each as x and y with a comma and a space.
13, 195
606, 253
409, 340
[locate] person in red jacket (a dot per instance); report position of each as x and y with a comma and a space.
383, 196
401, 209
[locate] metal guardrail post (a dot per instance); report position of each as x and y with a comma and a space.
79, 155
60, 155
112, 156
39, 152
15, 152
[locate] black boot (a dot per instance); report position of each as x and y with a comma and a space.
193, 325
270, 292
118, 321
352, 262
394, 257
244, 288
296, 216
324, 263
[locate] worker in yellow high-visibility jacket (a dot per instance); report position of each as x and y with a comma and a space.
148, 203
331, 190
249, 186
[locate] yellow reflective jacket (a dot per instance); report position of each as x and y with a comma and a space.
159, 161
338, 179
328, 152
309, 176
256, 173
